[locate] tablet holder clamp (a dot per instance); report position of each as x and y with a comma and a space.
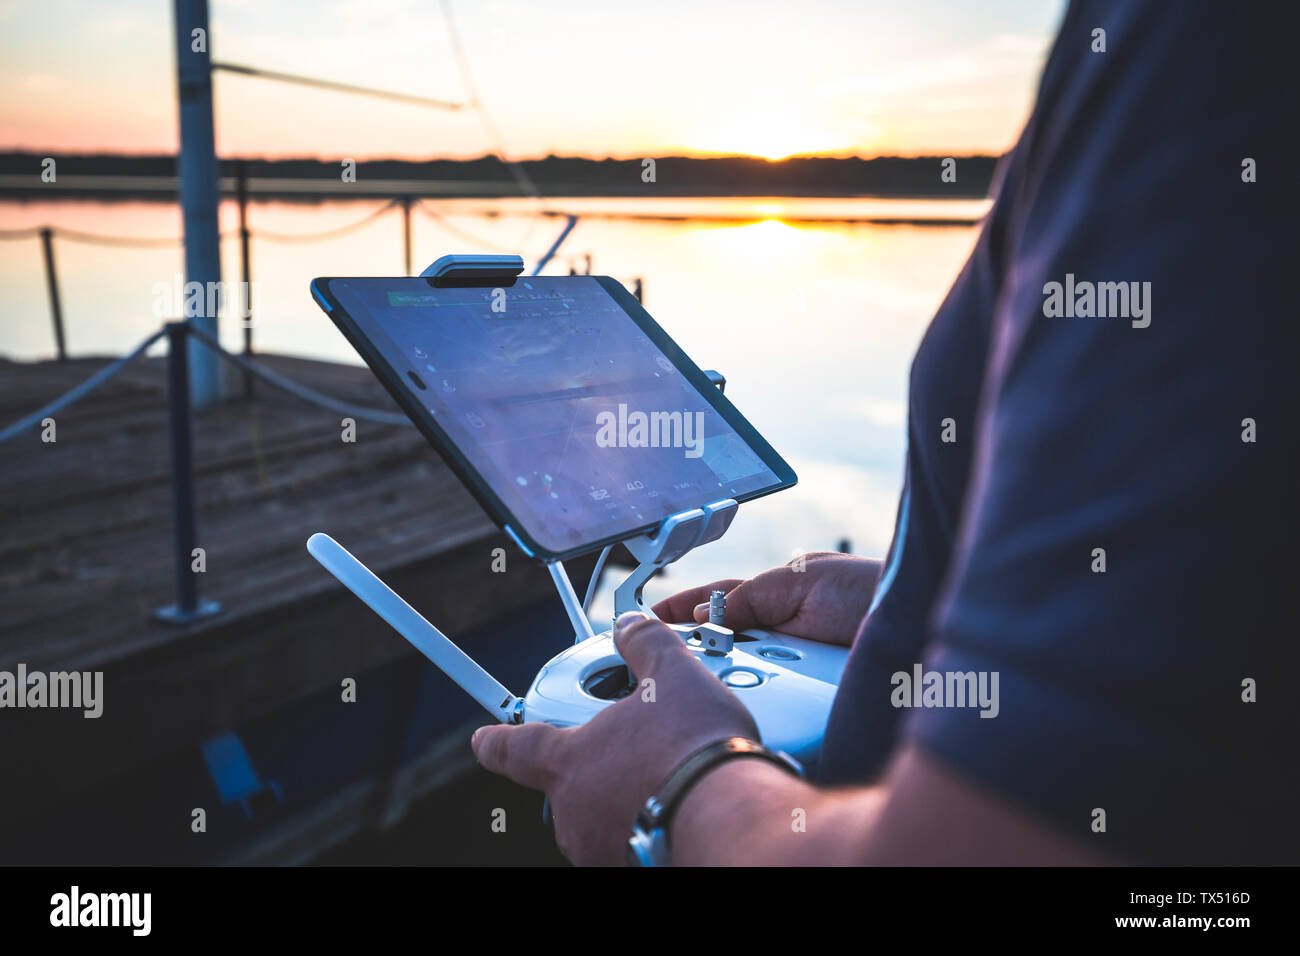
474, 270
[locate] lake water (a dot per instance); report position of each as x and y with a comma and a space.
812, 322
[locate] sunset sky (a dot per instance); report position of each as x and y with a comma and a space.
570, 77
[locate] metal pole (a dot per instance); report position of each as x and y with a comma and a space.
188, 607
198, 172
570, 222
52, 280
246, 291
406, 231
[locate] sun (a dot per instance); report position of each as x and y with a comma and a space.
773, 136
772, 147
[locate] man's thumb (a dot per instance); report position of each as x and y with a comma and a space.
643, 640
520, 752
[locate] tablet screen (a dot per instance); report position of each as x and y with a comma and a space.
561, 402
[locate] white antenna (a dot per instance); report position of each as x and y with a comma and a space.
572, 606
408, 622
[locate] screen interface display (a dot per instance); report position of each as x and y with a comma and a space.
566, 408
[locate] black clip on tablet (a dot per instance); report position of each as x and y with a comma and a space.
474, 270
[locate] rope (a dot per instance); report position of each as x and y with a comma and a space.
91, 238
75, 235
95, 239
299, 391
336, 86
82, 390
328, 233
273, 378
526, 184
456, 231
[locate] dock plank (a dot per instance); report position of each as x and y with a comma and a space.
87, 518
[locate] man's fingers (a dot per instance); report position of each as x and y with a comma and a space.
680, 608
741, 615
642, 641
768, 600
522, 752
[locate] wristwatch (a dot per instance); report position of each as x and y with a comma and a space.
648, 844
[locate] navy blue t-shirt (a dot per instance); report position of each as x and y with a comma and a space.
1099, 496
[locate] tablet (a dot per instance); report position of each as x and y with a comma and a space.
569, 413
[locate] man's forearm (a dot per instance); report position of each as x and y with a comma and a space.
750, 813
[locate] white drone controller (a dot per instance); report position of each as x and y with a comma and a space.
788, 683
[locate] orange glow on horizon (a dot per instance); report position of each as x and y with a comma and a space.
775, 135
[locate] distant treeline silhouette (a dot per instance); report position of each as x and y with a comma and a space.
566, 175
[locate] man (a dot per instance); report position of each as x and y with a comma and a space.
1095, 511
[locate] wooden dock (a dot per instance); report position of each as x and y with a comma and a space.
86, 557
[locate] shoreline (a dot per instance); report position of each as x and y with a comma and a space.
312, 191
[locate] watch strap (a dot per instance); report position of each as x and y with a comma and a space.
652, 822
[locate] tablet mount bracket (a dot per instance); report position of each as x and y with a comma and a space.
677, 535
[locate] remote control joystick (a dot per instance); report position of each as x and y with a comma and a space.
714, 637
718, 607
609, 683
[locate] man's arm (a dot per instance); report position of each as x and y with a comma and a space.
751, 813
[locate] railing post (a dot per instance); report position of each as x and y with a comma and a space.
246, 291
52, 280
188, 607
198, 176
406, 232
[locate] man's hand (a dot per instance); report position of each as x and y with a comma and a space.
826, 601
599, 774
